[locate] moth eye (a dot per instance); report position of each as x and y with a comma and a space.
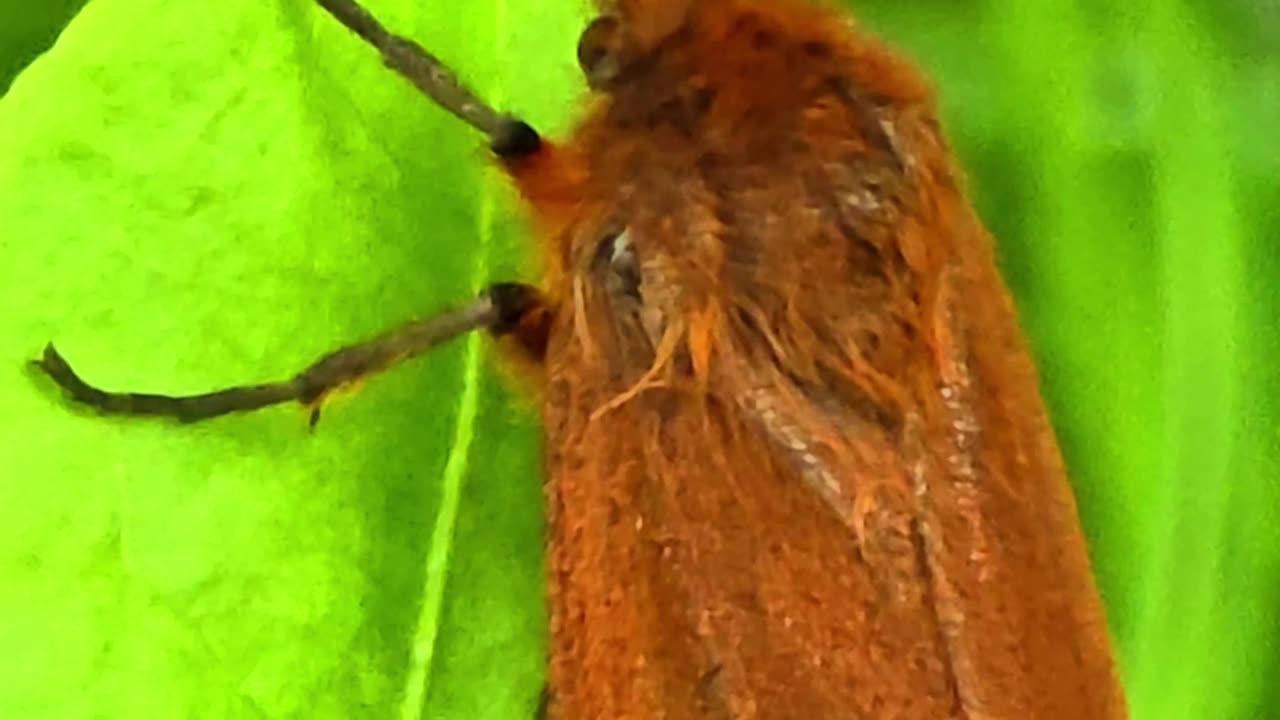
600, 51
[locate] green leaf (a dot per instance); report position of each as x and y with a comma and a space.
196, 195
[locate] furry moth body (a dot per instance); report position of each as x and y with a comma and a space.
797, 462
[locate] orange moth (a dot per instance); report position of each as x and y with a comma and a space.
797, 461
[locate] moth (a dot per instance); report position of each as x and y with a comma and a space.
797, 463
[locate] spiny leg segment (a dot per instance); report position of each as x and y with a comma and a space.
501, 309
508, 135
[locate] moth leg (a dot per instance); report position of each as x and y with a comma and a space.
493, 308
508, 136
527, 322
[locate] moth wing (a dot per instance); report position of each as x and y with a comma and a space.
801, 467
689, 559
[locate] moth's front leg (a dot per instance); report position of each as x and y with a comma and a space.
524, 319
503, 309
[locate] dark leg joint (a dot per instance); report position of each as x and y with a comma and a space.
522, 314
512, 302
514, 138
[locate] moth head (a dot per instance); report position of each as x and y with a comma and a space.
624, 35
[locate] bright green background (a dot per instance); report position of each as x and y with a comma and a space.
196, 194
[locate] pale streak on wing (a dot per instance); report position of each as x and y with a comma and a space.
852, 464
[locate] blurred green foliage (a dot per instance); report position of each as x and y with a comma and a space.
241, 186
